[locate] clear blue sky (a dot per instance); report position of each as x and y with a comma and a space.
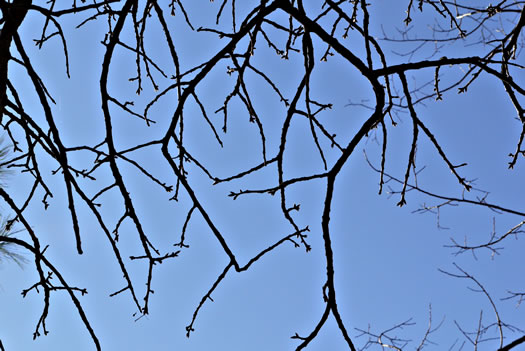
386, 257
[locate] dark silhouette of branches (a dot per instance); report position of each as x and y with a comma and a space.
168, 95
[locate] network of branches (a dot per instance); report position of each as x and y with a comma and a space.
312, 33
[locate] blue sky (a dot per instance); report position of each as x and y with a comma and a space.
386, 257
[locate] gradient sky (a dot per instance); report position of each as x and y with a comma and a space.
386, 257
